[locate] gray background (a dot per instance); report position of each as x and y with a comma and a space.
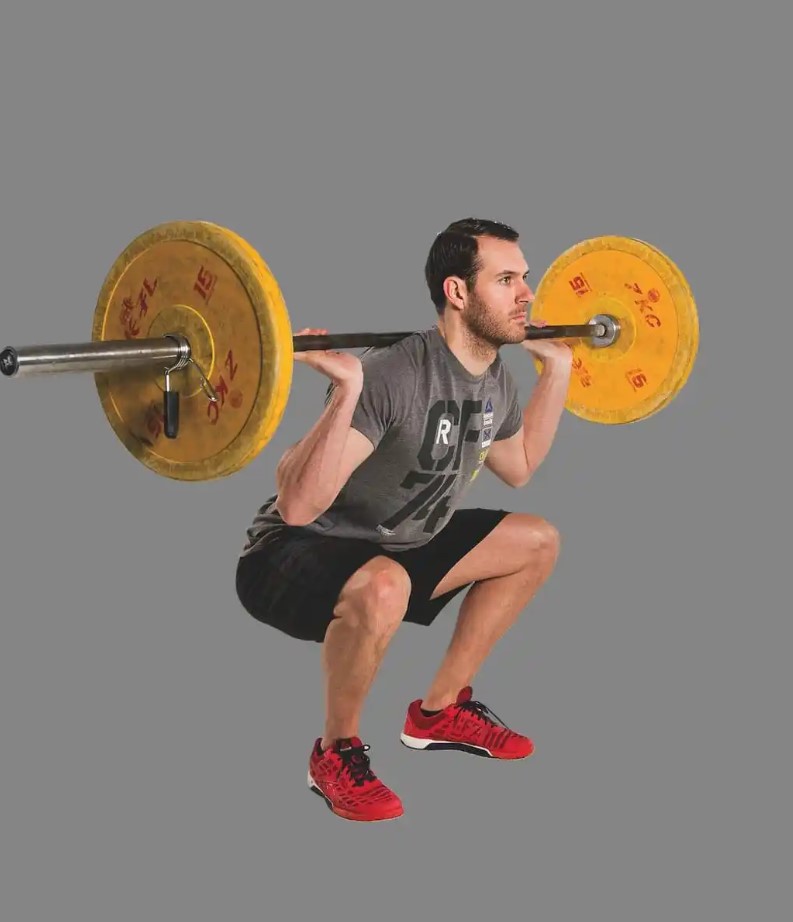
153, 738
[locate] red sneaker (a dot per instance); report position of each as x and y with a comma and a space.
351, 790
464, 725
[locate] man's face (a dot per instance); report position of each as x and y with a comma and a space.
496, 309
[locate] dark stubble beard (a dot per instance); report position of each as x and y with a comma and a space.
485, 335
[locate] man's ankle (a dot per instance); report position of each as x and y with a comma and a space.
438, 703
328, 742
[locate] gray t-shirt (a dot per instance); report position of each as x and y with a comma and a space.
431, 422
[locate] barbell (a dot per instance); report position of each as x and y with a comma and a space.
196, 299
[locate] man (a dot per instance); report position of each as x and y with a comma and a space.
365, 530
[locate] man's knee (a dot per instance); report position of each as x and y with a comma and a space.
542, 542
550, 540
375, 598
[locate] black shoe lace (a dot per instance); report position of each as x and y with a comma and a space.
356, 763
481, 711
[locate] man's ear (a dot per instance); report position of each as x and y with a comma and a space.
454, 289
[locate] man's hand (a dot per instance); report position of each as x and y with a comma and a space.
343, 368
550, 351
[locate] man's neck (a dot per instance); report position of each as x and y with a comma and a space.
475, 355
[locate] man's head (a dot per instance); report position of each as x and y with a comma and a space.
476, 269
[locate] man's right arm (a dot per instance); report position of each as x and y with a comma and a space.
311, 473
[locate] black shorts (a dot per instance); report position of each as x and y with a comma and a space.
293, 583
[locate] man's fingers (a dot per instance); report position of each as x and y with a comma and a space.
309, 353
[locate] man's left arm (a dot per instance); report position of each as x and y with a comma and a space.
515, 459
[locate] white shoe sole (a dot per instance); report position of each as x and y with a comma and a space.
416, 742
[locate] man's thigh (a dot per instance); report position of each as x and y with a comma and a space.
295, 584
518, 540
429, 565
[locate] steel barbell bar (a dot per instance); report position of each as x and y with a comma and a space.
121, 355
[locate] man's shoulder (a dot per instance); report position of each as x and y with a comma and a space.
408, 351
398, 364
393, 369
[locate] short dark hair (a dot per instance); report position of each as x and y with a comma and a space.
455, 251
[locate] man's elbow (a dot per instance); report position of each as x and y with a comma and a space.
521, 479
295, 514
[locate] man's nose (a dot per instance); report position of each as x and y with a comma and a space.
527, 295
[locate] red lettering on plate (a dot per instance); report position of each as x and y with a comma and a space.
231, 365
580, 285
146, 291
215, 407
205, 283
636, 378
647, 312
155, 421
582, 372
140, 303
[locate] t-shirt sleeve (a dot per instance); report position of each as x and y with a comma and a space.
514, 416
386, 394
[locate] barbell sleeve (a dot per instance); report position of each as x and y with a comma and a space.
110, 355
